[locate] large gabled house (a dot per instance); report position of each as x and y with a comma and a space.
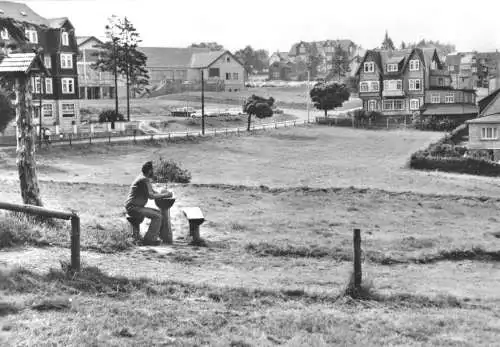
93, 84
184, 65
410, 82
55, 38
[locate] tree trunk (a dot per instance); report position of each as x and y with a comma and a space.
26, 163
326, 113
128, 86
249, 121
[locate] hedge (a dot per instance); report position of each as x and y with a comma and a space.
472, 166
445, 155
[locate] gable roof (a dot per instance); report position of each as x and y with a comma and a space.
487, 101
80, 40
202, 60
56, 23
488, 119
21, 62
453, 59
21, 13
169, 57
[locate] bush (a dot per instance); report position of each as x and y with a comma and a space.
110, 116
169, 171
7, 111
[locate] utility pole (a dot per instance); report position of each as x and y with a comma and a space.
40, 113
307, 96
202, 104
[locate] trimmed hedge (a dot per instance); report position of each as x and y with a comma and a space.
445, 155
472, 166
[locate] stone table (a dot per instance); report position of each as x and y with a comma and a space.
164, 205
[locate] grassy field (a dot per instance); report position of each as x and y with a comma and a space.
159, 107
280, 211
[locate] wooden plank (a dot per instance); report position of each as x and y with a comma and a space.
40, 211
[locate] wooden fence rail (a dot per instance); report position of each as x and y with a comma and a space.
45, 212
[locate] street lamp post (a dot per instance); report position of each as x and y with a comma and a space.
202, 104
307, 96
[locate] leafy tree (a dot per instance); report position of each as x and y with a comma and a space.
121, 56
253, 59
213, 46
7, 110
258, 106
328, 96
340, 63
313, 62
403, 45
387, 43
442, 48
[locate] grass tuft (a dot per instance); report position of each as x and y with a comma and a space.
276, 250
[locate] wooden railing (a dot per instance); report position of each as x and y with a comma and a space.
45, 212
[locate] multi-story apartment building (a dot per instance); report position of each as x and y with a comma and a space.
55, 39
402, 82
93, 84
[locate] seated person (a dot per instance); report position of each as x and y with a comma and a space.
140, 192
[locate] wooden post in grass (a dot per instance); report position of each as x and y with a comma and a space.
357, 259
75, 243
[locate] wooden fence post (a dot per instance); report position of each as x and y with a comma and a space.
70, 140
75, 243
357, 259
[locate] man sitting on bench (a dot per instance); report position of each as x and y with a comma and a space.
140, 192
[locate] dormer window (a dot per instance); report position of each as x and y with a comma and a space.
369, 67
65, 38
228, 60
4, 34
23, 13
414, 65
31, 35
392, 67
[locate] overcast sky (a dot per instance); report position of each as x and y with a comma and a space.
277, 24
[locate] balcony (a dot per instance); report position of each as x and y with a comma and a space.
393, 92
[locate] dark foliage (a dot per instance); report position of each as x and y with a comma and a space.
168, 171
7, 110
259, 107
328, 96
110, 116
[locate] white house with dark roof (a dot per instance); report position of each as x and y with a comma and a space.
166, 64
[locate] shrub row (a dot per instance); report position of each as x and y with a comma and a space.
469, 165
446, 155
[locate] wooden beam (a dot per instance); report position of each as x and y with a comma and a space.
40, 211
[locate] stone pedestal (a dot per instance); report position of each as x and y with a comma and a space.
166, 226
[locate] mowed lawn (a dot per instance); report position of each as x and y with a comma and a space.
315, 157
277, 258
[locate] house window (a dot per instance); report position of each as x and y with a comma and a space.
415, 84
372, 105
32, 35
440, 81
5, 34
369, 67
48, 86
65, 38
388, 105
393, 105
47, 60
398, 104
235, 76
393, 85
276, 74
302, 49
228, 60
489, 133
449, 99
392, 67
35, 82
213, 72
68, 110
374, 86
363, 87
414, 65
68, 85
414, 104
47, 110
451, 68
66, 61
228, 76
435, 99
474, 69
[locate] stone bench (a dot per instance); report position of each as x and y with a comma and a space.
195, 218
135, 226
